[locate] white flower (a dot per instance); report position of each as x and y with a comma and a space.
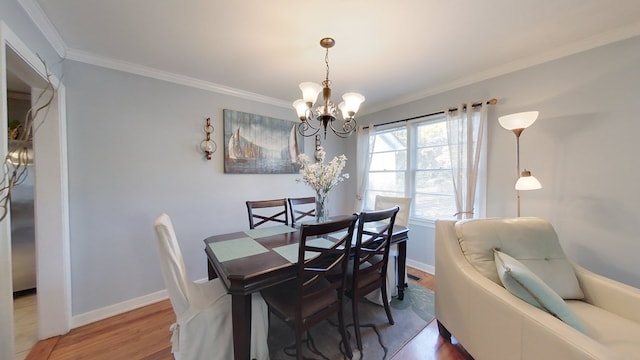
320, 176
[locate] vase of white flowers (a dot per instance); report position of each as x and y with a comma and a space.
322, 178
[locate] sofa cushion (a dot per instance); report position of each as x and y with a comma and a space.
532, 241
620, 335
524, 284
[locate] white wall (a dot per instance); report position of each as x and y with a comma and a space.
582, 148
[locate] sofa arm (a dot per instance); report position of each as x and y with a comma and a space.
608, 294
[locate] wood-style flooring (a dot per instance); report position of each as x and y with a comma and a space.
25, 323
143, 334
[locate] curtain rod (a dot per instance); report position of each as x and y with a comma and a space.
490, 102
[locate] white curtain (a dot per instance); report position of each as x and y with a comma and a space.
366, 138
465, 132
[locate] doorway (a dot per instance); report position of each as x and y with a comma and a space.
23, 249
50, 195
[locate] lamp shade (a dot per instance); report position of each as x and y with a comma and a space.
352, 102
301, 108
520, 120
310, 91
527, 182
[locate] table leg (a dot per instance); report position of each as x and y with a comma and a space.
402, 268
211, 271
241, 313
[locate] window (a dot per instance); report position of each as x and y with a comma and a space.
413, 160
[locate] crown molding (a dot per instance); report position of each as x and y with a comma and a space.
37, 15
589, 43
115, 64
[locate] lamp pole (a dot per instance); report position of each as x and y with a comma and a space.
517, 132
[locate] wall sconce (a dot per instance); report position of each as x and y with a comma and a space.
517, 123
207, 145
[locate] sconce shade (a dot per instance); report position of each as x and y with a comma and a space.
518, 120
528, 182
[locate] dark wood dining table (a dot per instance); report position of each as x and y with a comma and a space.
244, 275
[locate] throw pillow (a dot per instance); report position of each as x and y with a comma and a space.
526, 285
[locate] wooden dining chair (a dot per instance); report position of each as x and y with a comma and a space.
317, 292
264, 211
369, 265
300, 208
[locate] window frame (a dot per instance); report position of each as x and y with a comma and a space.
411, 170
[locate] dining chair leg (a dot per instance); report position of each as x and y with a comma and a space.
356, 320
385, 301
299, 338
343, 333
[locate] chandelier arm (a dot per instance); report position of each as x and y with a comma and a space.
307, 130
344, 133
310, 118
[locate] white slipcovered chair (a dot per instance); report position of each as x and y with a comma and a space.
402, 218
203, 327
522, 318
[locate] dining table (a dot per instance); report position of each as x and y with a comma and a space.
250, 260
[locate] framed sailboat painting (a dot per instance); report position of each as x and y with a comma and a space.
256, 144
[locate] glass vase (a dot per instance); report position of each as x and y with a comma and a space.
322, 206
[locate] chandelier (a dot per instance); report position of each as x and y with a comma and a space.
325, 114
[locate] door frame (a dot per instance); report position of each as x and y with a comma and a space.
51, 203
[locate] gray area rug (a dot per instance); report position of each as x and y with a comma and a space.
380, 340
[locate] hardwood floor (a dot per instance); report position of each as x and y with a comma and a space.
144, 334
25, 323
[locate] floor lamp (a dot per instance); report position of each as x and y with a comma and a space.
517, 123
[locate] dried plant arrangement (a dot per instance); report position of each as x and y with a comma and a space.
14, 167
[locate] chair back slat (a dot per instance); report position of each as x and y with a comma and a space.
264, 211
300, 208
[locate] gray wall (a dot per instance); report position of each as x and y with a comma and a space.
582, 148
132, 155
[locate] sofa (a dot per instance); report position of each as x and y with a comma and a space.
493, 322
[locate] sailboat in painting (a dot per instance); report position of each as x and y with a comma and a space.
240, 149
294, 150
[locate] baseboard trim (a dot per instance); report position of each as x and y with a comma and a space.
122, 307
421, 266
116, 309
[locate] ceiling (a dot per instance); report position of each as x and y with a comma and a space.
390, 51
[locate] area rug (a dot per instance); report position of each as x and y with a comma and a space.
380, 340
